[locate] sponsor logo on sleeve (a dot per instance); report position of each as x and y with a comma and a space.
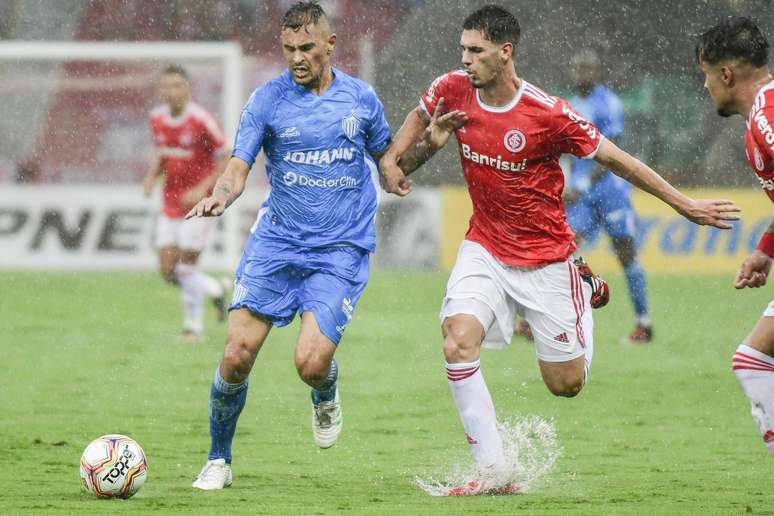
764, 127
759, 165
582, 122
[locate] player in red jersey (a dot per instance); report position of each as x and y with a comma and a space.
515, 257
189, 151
734, 58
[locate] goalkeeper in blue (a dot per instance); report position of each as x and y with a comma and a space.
596, 198
308, 253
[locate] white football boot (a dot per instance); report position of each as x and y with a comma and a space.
326, 422
216, 474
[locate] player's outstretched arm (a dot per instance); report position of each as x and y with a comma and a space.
393, 178
197, 192
754, 271
229, 186
708, 212
436, 136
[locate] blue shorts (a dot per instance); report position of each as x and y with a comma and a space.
275, 280
607, 205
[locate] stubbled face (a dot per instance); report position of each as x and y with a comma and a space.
716, 82
482, 59
174, 90
308, 52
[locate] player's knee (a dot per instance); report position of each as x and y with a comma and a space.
566, 386
460, 342
312, 370
168, 274
237, 357
626, 250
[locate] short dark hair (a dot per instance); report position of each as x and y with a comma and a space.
496, 23
736, 37
302, 14
174, 69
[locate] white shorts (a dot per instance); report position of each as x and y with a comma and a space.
769, 312
190, 235
550, 298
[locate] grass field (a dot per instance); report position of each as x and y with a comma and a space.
660, 429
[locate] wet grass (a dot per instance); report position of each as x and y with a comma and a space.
661, 429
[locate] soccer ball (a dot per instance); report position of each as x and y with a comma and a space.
113, 466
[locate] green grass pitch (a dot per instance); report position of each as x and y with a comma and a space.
660, 429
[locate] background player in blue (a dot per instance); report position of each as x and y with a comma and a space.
598, 198
309, 249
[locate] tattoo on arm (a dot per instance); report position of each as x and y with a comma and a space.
222, 189
415, 157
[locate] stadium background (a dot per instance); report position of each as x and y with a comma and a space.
82, 125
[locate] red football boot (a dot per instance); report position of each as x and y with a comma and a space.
600, 292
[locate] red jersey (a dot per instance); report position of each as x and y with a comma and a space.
510, 160
759, 138
187, 145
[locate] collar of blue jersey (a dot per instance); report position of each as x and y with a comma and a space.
303, 89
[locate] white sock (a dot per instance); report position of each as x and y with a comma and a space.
587, 322
477, 414
755, 371
212, 287
192, 295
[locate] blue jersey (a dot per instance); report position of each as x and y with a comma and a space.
602, 108
317, 159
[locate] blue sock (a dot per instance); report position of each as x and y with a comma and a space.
328, 391
226, 403
635, 280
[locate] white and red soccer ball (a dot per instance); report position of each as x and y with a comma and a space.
113, 466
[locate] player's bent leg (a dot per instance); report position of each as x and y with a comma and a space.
246, 334
564, 378
753, 365
463, 334
317, 368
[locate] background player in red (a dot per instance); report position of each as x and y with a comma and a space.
515, 255
189, 151
734, 58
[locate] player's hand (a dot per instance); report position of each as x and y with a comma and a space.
212, 206
711, 212
754, 271
392, 178
442, 125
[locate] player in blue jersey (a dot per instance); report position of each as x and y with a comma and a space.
308, 253
596, 197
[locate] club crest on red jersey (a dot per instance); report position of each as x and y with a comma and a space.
514, 140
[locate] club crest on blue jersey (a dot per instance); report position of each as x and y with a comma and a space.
351, 126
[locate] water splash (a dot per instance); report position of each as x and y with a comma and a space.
531, 450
